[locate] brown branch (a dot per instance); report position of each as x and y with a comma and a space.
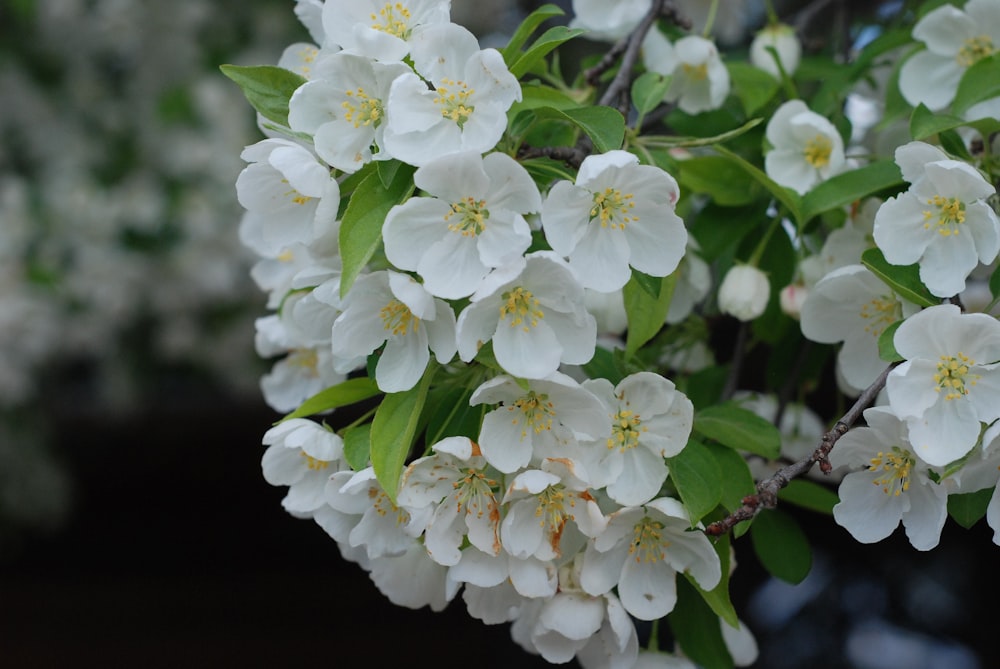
617, 94
571, 155
766, 496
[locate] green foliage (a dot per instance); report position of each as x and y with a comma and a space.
698, 479
738, 428
887, 343
603, 125
753, 86
343, 394
646, 312
393, 431
358, 446
781, 546
696, 628
969, 508
809, 495
903, 279
267, 88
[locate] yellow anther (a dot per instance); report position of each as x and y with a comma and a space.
522, 307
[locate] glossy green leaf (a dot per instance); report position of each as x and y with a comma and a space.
903, 279
781, 546
394, 429
728, 184
696, 628
995, 282
648, 90
357, 446
787, 197
603, 366
737, 481
809, 495
753, 86
646, 314
340, 395
718, 597
924, 123
968, 508
738, 428
887, 343
980, 82
528, 26
549, 40
696, 474
605, 126
451, 415
267, 88
361, 225
851, 186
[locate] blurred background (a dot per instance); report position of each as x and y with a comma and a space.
135, 526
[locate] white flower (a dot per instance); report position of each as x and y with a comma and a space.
694, 282
473, 221
413, 580
700, 82
533, 311
807, 149
608, 20
783, 40
467, 108
540, 422
390, 307
641, 552
955, 40
893, 485
380, 29
744, 292
301, 454
455, 484
941, 222
853, 306
343, 108
650, 420
618, 214
948, 383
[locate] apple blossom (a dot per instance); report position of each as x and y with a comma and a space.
744, 292
786, 45
700, 81
806, 147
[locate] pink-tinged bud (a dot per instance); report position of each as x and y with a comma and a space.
786, 44
792, 297
744, 292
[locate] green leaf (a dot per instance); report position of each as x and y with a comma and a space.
387, 171
267, 88
648, 90
753, 86
738, 428
342, 394
851, 186
728, 184
718, 597
549, 40
781, 546
528, 26
924, 123
967, 508
605, 126
903, 279
696, 628
684, 141
535, 95
995, 282
809, 495
887, 343
361, 225
603, 366
980, 82
646, 314
737, 481
357, 446
698, 479
787, 197
393, 431
452, 415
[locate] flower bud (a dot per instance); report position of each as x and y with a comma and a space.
782, 38
791, 298
744, 292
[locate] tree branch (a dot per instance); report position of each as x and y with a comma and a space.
766, 496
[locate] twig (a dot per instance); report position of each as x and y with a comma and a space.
767, 490
617, 93
571, 155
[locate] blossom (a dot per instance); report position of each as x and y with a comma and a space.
892, 485
533, 311
949, 382
744, 292
955, 39
538, 422
618, 214
391, 307
301, 454
650, 420
786, 45
608, 21
853, 306
942, 222
466, 109
343, 108
380, 29
642, 550
699, 80
807, 149
472, 222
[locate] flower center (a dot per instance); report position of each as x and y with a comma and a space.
538, 412
522, 307
552, 511
896, 466
625, 430
393, 19
648, 543
818, 151
474, 491
613, 208
453, 98
950, 215
974, 50
383, 506
697, 72
305, 359
362, 110
397, 317
313, 463
472, 215
879, 313
953, 374
295, 196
